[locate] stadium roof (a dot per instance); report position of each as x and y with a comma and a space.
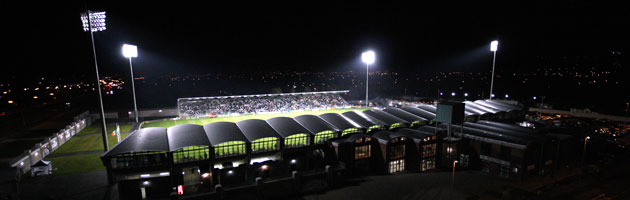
403, 114
220, 132
507, 126
429, 129
264, 95
146, 139
497, 102
384, 117
523, 135
495, 106
415, 134
386, 136
480, 107
494, 137
362, 119
339, 121
419, 112
315, 124
254, 129
430, 108
286, 126
184, 135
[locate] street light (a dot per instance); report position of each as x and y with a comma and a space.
368, 58
93, 22
494, 45
454, 162
584, 151
131, 51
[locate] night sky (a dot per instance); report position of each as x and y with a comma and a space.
180, 38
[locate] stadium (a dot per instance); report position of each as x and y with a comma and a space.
223, 145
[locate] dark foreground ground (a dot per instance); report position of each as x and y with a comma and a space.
609, 184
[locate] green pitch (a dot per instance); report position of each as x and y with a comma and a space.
203, 121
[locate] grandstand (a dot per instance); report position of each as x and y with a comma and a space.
259, 103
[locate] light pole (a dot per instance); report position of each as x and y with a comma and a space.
454, 163
93, 22
493, 47
131, 51
584, 151
368, 58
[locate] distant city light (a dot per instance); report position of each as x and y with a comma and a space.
506, 95
452, 93
205, 175
368, 57
534, 97
52, 94
293, 161
494, 45
230, 172
145, 183
10, 102
441, 93
130, 51
264, 167
35, 97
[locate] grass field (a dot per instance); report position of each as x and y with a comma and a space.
76, 164
96, 126
87, 143
203, 121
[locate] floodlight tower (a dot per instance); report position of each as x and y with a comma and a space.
131, 51
368, 58
494, 45
93, 22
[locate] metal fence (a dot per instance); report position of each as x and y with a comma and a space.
31, 156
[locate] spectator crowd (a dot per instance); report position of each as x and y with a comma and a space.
203, 107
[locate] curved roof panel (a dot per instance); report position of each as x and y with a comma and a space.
286, 126
473, 106
362, 119
146, 139
254, 129
502, 130
184, 135
384, 117
495, 135
220, 132
387, 135
518, 107
339, 121
314, 124
419, 112
430, 108
414, 133
403, 114
429, 129
507, 126
494, 106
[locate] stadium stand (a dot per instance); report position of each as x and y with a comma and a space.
261, 103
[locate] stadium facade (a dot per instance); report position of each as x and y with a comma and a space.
192, 159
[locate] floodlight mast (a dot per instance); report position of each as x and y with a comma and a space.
493, 47
131, 51
99, 22
368, 58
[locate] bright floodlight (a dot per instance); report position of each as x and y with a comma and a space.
368, 57
494, 45
452, 93
130, 51
97, 21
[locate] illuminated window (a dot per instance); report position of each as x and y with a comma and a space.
429, 150
265, 144
191, 153
297, 140
349, 131
323, 136
428, 164
363, 151
232, 148
396, 166
396, 151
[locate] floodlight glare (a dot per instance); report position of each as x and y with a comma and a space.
96, 22
465, 94
494, 45
534, 97
130, 51
368, 57
452, 93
